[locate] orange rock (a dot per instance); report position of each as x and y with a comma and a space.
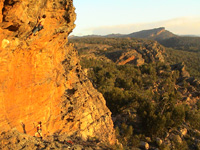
41, 78
1, 7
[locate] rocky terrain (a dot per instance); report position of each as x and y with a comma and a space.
189, 88
146, 53
133, 51
155, 104
41, 78
14, 140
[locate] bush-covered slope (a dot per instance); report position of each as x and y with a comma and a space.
182, 43
155, 102
190, 58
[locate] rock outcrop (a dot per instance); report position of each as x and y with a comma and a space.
149, 52
131, 57
40, 76
181, 68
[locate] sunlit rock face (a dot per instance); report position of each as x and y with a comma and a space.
40, 76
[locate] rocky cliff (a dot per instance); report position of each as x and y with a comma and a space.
40, 76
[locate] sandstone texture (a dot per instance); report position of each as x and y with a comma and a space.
41, 78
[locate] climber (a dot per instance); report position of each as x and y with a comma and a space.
24, 127
39, 26
39, 130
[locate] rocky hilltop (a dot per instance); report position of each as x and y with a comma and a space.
41, 78
121, 51
147, 52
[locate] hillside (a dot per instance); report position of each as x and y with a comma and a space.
154, 104
182, 43
190, 58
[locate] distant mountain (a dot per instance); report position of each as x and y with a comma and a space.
89, 36
163, 36
153, 34
114, 35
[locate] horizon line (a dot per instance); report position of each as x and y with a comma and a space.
188, 25
72, 35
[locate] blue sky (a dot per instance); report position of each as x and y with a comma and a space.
127, 16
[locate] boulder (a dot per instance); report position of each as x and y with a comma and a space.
148, 139
77, 147
181, 68
144, 145
5, 43
177, 139
131, 57
183, 132
167, 143
197, 132
159, 141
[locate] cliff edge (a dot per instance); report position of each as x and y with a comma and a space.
40, 76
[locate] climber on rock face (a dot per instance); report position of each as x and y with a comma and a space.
39, 130
39, 26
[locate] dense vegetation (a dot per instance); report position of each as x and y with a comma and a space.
113, 43
147, 101
190, 58
176, 54
184, 49
134, 90
183, 43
